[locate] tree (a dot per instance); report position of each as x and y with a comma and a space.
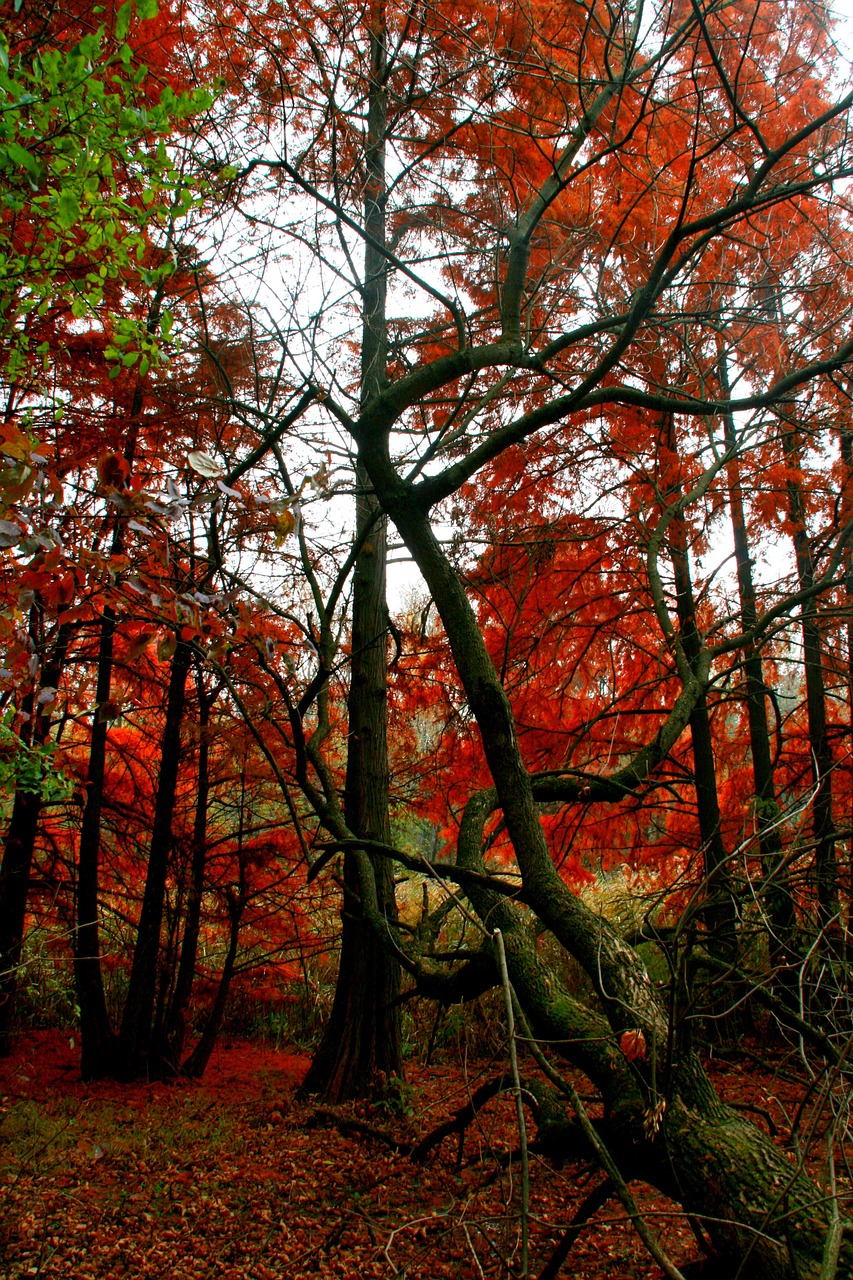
361, 1044
80, 115
581, 204
119, 537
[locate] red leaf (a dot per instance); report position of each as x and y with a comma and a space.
633, 1045
112, 470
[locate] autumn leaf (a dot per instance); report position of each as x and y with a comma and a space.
13, 442
284, 526
633, 1045
204, 465
166, 646
10, 533
112, 470
17, 481
138, 646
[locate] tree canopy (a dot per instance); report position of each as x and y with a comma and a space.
552, 304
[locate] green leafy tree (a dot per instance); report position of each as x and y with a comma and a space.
88, 189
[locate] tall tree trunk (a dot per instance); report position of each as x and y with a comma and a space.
98, 1042
14, 887
21, 840
820, 752
361, 1044
175, 1021
847, 514
200, 1056
720, 912
777, 895
135, 1035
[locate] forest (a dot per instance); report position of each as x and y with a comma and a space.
426, 639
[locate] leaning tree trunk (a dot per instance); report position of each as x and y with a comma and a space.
661, 1110
200, 1056
361, 1043
663, 1122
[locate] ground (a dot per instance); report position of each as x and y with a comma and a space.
232, 1177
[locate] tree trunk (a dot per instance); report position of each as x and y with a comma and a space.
361, 1044
720, 915
777, 894
200, 1056
847, 514
820, 752
663, 1122
175, 1021
662, 1108
14, 887
21, 840
136, 1024
98, 1042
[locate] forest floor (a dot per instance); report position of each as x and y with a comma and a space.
233, 1177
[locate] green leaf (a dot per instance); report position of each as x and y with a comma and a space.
123, 21
146, 9
23, 158
69, 210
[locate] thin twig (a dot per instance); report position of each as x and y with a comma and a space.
519, 1101
594, 1201
835, 1234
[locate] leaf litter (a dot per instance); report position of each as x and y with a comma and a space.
234, 1177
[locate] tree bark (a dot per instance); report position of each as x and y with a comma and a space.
720, 914
136, 1024
820, 751
361, 1043
98, 1042
200, 1056
847, 513
175, 1021
777, 894
20, 843
663, 1110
